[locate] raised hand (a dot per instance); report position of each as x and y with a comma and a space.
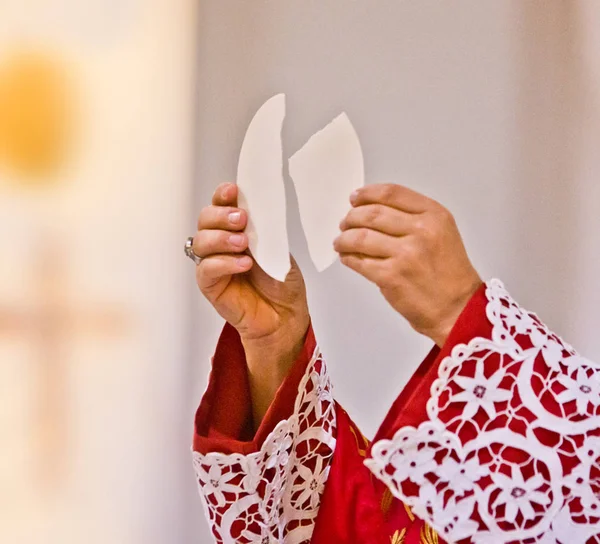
258, 306
271, 317
410, 246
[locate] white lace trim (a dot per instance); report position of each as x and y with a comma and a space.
273, 496
511, 450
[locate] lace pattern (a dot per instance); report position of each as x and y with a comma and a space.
273, 496
511, 450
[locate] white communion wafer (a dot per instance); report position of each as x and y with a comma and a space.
262, 191
325, 172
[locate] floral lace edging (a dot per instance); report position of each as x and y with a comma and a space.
272, 496
511, 450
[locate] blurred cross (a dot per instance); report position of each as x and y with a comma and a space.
50, 322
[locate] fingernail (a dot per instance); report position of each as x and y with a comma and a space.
244, 262
236, 239
354, 196
235, 217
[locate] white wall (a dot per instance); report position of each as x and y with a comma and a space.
486, 106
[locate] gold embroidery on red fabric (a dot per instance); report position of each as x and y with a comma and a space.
428, 535
398, 537
361, 451
386, 501
411, 516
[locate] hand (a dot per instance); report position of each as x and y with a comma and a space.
410, 246
266, 313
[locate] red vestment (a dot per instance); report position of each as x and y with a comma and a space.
496, 438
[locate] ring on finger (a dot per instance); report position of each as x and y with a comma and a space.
189, 250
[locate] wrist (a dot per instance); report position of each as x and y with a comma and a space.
452, 311
269, 360
274, 354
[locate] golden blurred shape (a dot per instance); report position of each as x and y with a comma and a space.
36, 116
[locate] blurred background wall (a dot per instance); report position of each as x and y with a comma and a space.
97, 103
493, 108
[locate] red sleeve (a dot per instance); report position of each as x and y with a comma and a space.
497, 436
261, 488
410, 406
324, 482
223, 421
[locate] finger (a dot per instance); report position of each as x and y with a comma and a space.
222, 217
214, 268
369, 267
366, 242
213, 242
395, 196
380, 218
225, 195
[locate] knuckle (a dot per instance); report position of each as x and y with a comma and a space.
352, 217
410, 253
401, 264
361, 236
199, 249
422, 225
383, 273
351, 261
373, 214
199, 242
202, 218
444, 215
388, 191
427, 228
208, 243
208, 271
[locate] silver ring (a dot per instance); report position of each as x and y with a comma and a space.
189, 250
